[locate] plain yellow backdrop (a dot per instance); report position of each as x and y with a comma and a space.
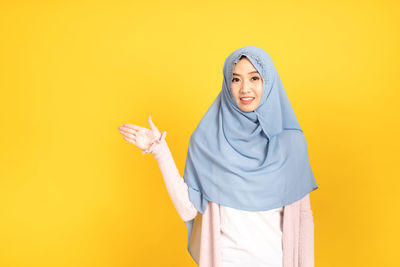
74, 193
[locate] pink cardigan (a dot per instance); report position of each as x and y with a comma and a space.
298, 226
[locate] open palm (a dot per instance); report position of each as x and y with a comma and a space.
140, 136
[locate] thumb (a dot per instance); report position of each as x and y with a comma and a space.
152, 126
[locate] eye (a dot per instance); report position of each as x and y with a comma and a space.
257, 78
234, 79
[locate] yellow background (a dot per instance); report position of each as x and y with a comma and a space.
74, 193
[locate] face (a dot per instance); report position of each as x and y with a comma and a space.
246, 83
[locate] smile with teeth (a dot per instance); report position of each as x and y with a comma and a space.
246, 100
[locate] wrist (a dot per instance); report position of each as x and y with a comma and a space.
155, 147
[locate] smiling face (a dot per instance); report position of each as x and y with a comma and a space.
246, 83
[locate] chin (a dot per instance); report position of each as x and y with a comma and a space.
247, 109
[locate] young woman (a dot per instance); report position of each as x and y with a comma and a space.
244, 196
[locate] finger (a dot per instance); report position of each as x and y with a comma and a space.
127, 130
129, 135
152, 126
134, 127
130, 140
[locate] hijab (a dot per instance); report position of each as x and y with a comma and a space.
253, 161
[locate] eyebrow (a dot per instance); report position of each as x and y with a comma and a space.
249, 73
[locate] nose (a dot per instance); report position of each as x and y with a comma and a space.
245, 87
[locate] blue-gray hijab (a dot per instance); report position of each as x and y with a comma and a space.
253, 161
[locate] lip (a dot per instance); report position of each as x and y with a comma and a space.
246, 102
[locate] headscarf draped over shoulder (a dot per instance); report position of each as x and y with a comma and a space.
253, 161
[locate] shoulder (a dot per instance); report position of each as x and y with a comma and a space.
293, 136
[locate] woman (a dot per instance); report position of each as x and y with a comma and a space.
245, 193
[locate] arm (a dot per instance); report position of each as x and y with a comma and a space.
176, 186
306, 239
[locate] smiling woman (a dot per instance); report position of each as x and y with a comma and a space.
244, 196
247, 85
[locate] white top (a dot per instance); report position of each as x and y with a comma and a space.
251, 238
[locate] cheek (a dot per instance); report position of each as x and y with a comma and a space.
259, 90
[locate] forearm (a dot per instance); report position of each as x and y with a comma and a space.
176, 186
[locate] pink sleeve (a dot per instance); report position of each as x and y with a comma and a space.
176, 186
306, 238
